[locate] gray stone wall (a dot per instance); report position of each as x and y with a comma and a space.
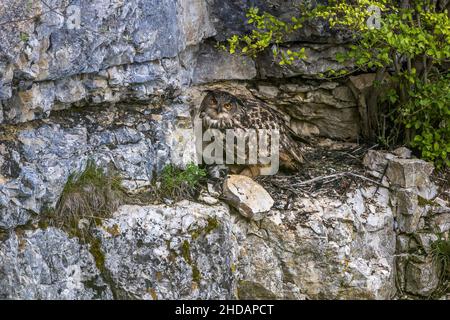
140, 51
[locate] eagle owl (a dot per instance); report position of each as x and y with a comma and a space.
221, 110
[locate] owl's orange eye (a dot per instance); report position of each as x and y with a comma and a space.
228, 106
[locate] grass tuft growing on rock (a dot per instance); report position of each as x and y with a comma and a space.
440, 250
177, 184
91, 194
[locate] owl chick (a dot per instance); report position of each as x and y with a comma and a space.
221, 110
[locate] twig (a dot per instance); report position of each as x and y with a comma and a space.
368, 179
372, 147
337, 175
316, 179
381, 179
349, 154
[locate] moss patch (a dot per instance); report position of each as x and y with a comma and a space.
153, 293
99, 290
186, 253
113, 231
424, 202
43, 224
196, 275
212, 224
95, 248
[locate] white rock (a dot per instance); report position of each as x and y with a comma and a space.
409, 173
247, 196
376, 160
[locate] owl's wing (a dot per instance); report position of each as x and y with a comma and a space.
262, 116
296, 137
291, 153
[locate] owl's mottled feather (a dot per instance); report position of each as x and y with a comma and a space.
262, 117
221, 110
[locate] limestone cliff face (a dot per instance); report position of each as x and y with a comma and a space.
126, 59
362, 242
120, 88
145, 51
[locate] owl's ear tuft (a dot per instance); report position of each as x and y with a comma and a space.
204, 104
211, 95
238, 101
213, 99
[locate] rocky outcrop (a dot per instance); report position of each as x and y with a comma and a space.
118, 51
37, 159
124, 63
197, 251
227, 17
416, 206
47, 264
348, 245
145, 50
320, 247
